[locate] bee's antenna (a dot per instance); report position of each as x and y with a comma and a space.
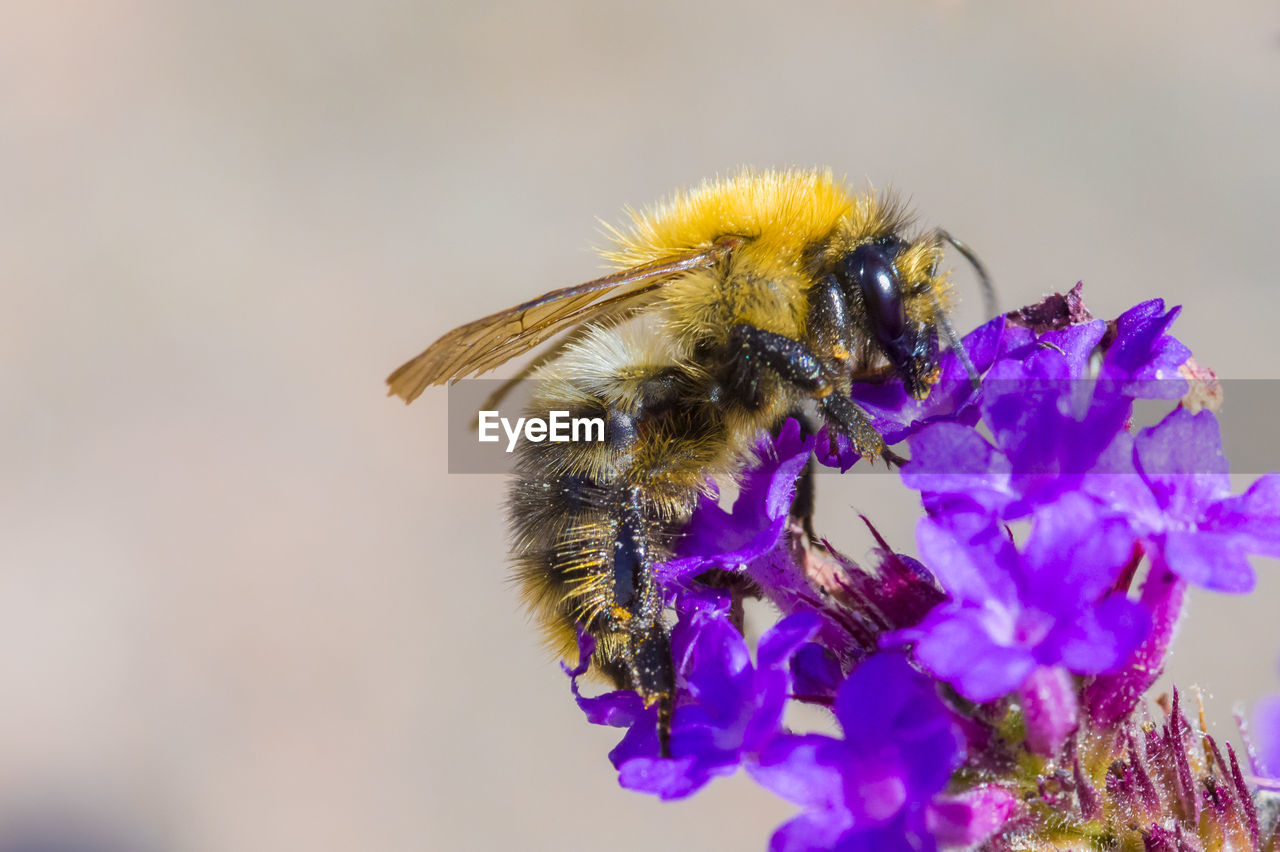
989, 303
953, 340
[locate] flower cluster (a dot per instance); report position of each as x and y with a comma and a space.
989, 691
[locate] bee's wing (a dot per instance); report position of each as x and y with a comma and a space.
484, 344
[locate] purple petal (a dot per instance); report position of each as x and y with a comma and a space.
783, 640
815, 831
877, 792
886, 693
955, 644
1100, 638
971, 557
950, 458
714, 537
719, 674
640, 740
1142, 357
1075, 343
841, 455
815, 673
695, 612
586, 647
669, 778
972, 817
1049, 708
1074, 554
1170, 452
900, 749
773, 680
1266, 730
617, 709
718, 541
1021, 407
1252, 517
1141, 314
791, 453
1047, 423
906, 833
805, 770
1208, 560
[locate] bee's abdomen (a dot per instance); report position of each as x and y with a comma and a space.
561, 534
590, 519
583, 548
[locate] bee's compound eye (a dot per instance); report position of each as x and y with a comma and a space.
870, 267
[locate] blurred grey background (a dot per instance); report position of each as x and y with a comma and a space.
242, 606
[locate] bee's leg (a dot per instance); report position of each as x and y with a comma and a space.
819, 366
803, 503
829, 326
831, 332
846, 418
637, 611
653, 676
752, 347
739, 586
796, 363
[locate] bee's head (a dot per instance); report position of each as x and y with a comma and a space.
891, 286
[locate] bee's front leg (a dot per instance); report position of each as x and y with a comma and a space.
820, 377
845, 418
752, 347
830, 329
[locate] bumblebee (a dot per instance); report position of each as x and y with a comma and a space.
735, 305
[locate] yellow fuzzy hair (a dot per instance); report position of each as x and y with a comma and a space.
783, 212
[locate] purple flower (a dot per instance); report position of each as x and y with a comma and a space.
1143, 360
1180, 503
1011, 612
758, 539
1041, 505
1169, 482
1053, 412
896, 414
1136, 348
1053, 342
714, 538
1047, 433
727, 709
872, 789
